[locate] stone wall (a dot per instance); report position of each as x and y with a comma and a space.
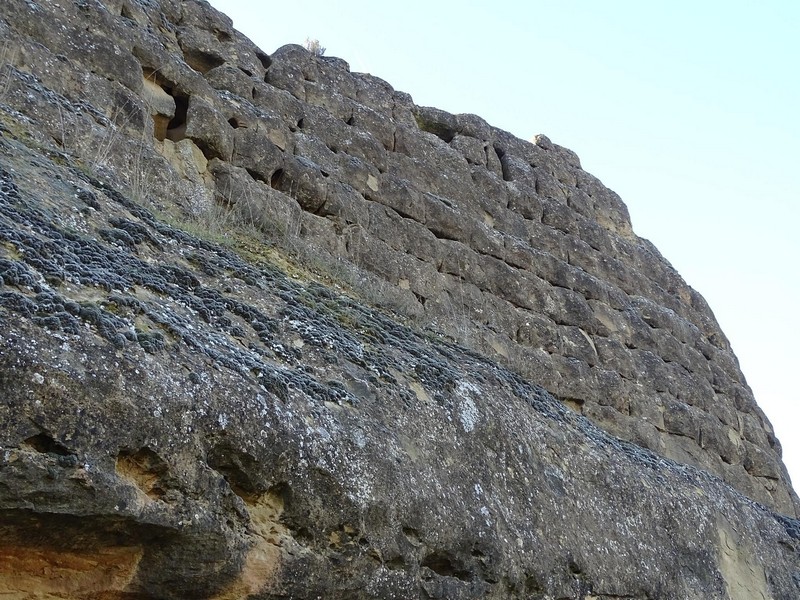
253, 310
506, 246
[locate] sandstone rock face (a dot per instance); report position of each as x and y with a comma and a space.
197, 402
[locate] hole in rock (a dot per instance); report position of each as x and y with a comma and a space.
351, 121
264, 59
176, 129
276, 179
160, 98
574, 404
443, 133
202, 61
442, 565
145, 469
222, 36
258, 176
574, 568
236, 467
303, 536
46, 445
441, 234
446, 134
503, 164
234, 122
440, 130
300, 123
412, 535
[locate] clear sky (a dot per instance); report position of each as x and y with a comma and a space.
689, 110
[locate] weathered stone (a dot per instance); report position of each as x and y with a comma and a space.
162, 107
207, 128
236, 81
345, 204
208, 427
292, 66
255, 152
201, 48
365, 118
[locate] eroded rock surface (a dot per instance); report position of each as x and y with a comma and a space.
189, 413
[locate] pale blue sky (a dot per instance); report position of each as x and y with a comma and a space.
689, 110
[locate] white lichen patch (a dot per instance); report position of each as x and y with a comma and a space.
359, 438
468, 413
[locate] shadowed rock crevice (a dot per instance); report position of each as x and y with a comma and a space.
443, 565
145, 469
44, 443
202, 61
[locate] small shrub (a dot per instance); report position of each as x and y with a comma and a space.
314, 47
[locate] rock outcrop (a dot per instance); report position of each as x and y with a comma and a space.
268, 329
